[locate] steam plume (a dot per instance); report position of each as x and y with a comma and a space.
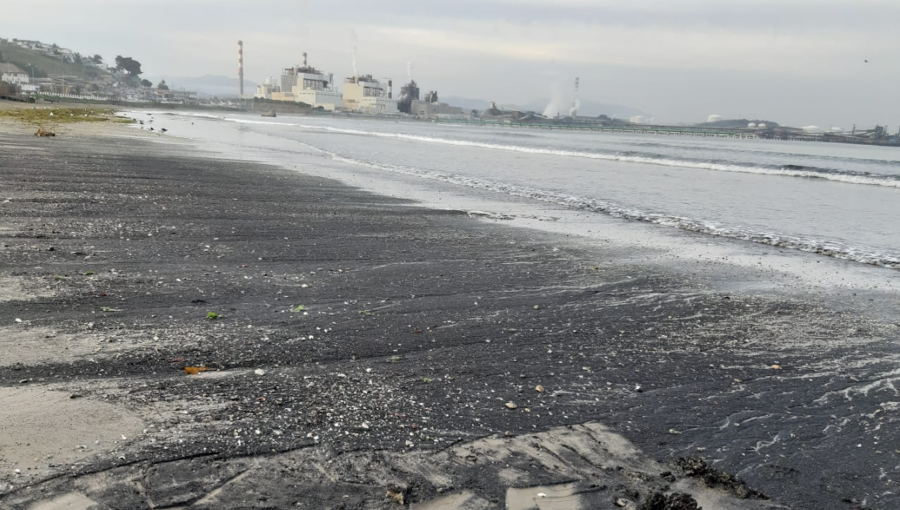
556, 100
575, 106
355, 40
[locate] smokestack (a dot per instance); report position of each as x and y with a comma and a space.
576, 102
390, 89
304, 59
241, 68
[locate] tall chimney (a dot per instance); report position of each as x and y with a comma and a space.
304, 59
390, 89
241, 68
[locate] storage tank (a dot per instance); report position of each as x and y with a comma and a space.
762, 125
751, 125
714, 118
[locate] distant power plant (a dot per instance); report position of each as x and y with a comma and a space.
368, 95
306, 84
303, 84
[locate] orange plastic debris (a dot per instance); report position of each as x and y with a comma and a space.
195, 370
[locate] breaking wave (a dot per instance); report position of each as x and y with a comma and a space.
823, 247
788, 170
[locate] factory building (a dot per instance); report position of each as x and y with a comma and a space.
431, 108
266, 90
303, 84
367, 95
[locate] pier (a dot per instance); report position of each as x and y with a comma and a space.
616, 128
771, 133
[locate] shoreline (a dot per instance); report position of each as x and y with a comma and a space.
404, 306
211, 131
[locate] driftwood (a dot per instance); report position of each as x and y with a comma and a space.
44, 132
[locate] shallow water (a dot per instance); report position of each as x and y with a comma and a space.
834, 199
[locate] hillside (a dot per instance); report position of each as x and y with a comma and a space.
43, 65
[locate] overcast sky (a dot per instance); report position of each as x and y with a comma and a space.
798, 62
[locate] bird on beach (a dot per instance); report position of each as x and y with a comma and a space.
865, 61
151, 129
163, 130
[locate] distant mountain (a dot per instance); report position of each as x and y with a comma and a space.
737, 123
588, 108
214, 85
466, 103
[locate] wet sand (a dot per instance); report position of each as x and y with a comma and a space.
365, 352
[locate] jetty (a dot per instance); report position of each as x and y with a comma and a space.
766, 133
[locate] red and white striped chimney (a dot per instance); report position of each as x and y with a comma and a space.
241, 67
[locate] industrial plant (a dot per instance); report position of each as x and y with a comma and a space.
306, 85
365, 94
361, 93
303, 84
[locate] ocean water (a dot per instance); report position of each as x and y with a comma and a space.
834, 200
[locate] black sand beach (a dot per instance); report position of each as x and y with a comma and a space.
367, 352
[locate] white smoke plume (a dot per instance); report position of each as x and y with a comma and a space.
575, 106
556, 98
410, 65
354, 39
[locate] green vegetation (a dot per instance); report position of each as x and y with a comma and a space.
129, 65
298, 308
212, 316
43, 116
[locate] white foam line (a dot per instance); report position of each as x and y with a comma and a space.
835, 250
837, 177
